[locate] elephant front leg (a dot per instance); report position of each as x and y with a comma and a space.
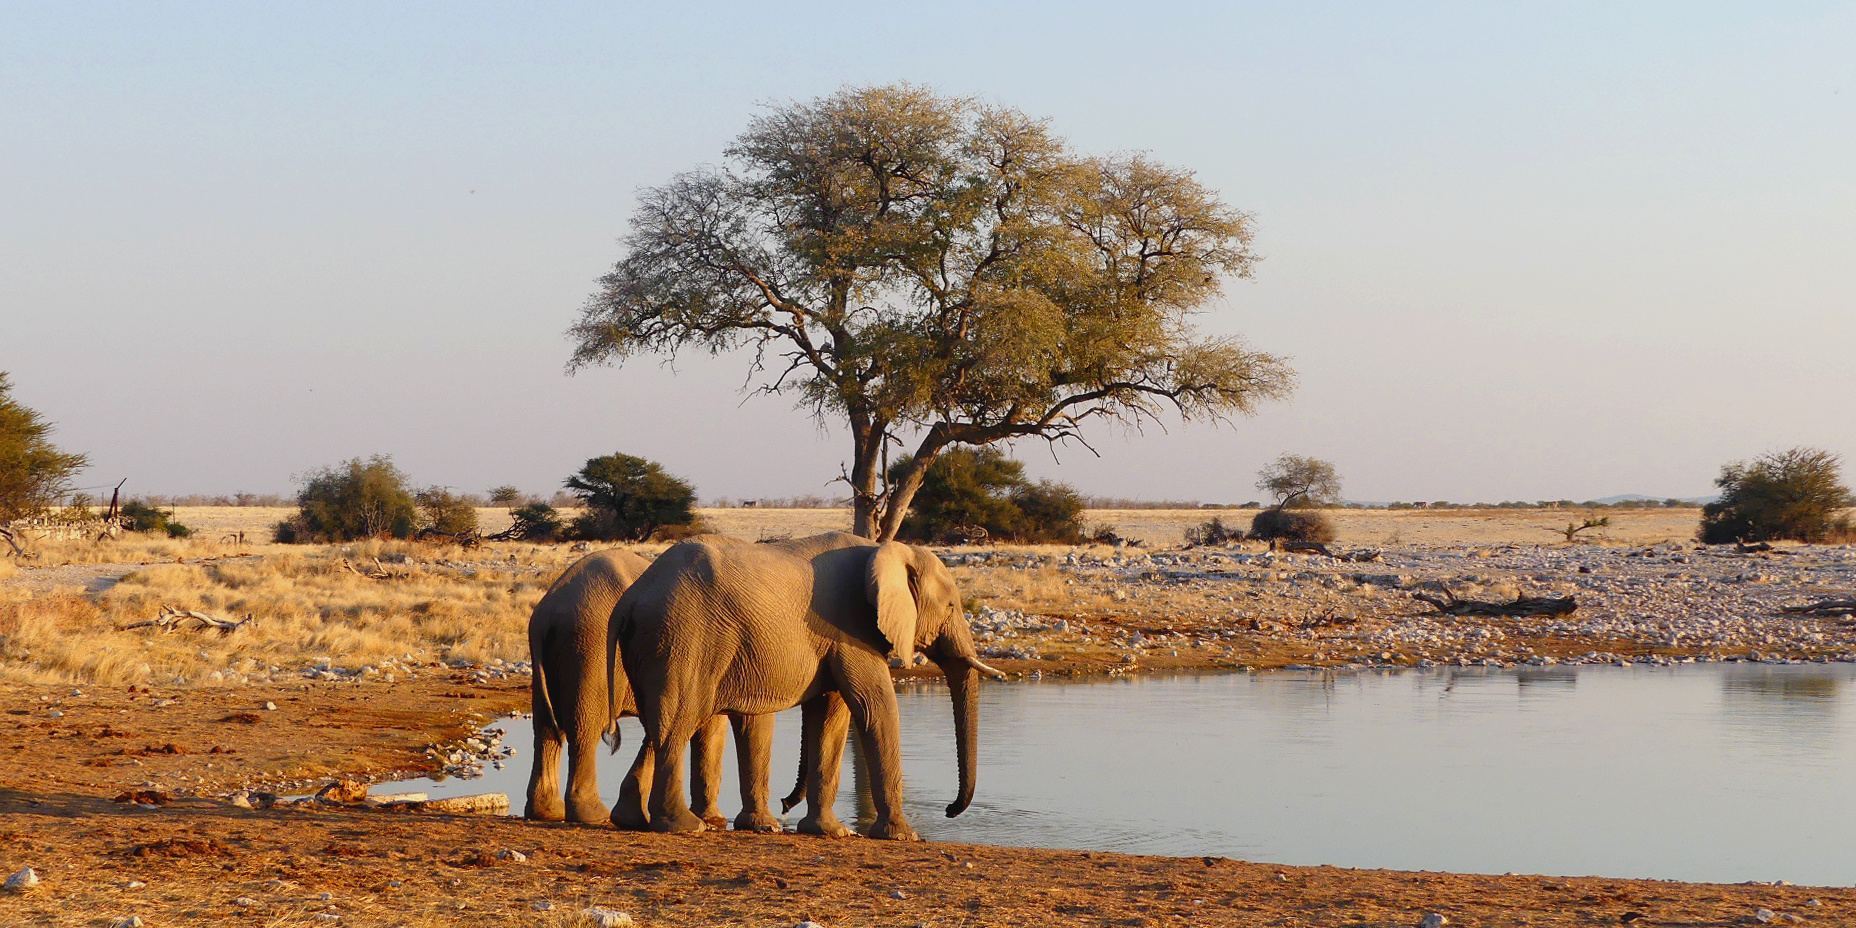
629, 813
825, 722
706, 771
871, 697
753, 754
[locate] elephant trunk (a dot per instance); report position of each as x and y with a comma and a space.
960, 664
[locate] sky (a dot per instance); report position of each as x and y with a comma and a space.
1515, 251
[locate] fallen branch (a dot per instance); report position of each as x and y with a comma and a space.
12, 540
1522, 605
172, 618
1824, 607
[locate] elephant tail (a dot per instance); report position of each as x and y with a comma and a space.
542, 701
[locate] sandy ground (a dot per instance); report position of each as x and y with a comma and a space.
67, 751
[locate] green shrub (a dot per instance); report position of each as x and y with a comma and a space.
445, 513
981, 489
1793, 494
354, 500
138, 516
1306, 525
629, 499
534, 522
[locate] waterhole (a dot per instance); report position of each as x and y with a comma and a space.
1722, 772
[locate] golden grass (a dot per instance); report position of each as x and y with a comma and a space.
306, 606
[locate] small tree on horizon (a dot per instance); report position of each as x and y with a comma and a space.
1300, 482
629, 499
350, 501
932, 271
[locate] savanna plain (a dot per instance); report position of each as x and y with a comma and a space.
123, 743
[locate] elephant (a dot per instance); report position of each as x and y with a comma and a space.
572, 706
722, 626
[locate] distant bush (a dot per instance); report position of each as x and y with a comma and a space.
138, 516
446, 513
1793, 494
980, 494
1309, 525
1213, 532
353, 500
534, 522
629, 499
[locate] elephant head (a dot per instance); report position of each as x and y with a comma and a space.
918, 609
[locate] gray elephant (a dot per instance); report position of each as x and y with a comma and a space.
721, 626
573, 708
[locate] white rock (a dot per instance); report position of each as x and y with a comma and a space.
133, 921
1765, 916
1433, 920
135, 884
244, 902
898, 894
542, 906
270, 707
512, 855
24, 881
808, 925
242, 799
607, 918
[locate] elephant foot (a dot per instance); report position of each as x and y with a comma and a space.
587, 812
629, 818
677, 821
761, 822
548, 810
826, 826
896, 829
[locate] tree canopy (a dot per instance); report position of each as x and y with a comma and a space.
1300, 482
352, 500
629, 498
33, 472
937, 269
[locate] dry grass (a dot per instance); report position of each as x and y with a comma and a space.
306, 606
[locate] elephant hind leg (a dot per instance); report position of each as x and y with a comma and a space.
753, 748
706, 750
544, 778
629, 813
670, 737
826, 721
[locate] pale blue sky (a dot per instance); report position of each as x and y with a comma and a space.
1566, 250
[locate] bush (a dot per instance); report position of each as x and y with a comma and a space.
982, 489
1306, 525
445, 513
1793, 494
629, 499
1214, 532
535, 522
357, 499
138, 516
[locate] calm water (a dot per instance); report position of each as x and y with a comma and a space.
1700, 772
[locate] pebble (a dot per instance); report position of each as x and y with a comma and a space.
898, 894
244, 902
242, 799
512, 856
542, 906
270, 707
607, 918
134, 884
133, 921
25, 881
1433, 920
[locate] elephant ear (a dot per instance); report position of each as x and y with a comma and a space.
887, 584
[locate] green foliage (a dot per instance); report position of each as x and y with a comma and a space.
981, 488
445, 512
1213, 532
33, 472
629, 499
938, 265
505, 495
1310, 525
353, 500
534, 522
138, 516
1300, 482
1794, 494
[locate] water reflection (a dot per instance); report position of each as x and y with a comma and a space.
1702, 772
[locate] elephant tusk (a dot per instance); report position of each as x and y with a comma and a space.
987, 669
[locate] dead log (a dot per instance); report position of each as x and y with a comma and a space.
480, 804
1521, 606
12, 540
1824, 607
172, 618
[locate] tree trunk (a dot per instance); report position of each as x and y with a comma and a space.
866, 469
902, 491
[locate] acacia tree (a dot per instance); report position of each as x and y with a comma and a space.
940, 270
1300, 482
33, 472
